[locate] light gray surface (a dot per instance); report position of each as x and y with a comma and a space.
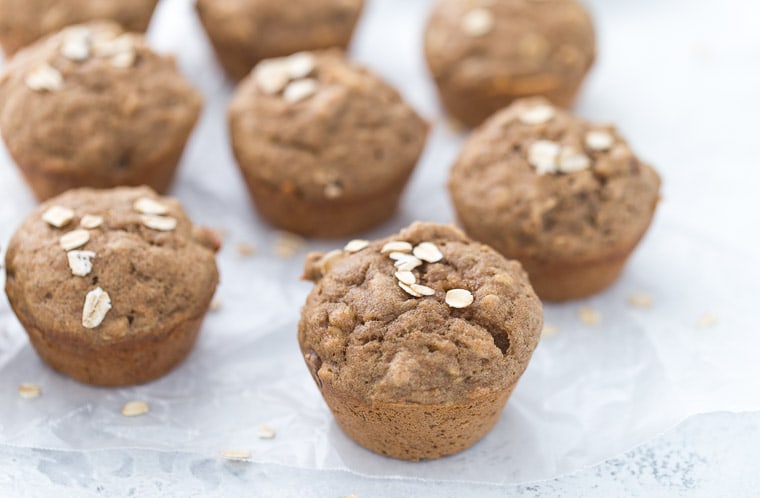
680, 78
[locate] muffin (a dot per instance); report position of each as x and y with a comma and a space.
111, 285
25, 21
244, 32
416, 341
93, 106
326, 147
565, 197
483, 54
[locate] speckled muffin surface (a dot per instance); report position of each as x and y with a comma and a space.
417, 340
95, 106
243, 32
326, 147
111, 285
25, 21
554, 191
483, 54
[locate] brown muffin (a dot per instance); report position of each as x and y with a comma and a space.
565, 197
244, 32
25, 21
484, 54
416, 341
111, 285
326, 147
94, 106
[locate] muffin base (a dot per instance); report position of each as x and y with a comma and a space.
409, 431
115, 364
326, 218
473, 105
46, 183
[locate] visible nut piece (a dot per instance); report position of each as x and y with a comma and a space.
58, 216
543, 156
74, 239
80, 262
536, 115
160, 223
299, 90
135, 408
237, 455
459, 298
356, 245
44, 78
396, 246
266, 432
90, 221
478, 22
146, 205
599, 140
29, 391
406, 276
427, 251
96, 306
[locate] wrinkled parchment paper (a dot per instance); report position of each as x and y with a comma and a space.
589, 393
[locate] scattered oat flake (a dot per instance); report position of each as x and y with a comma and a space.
75, 49
146, 205
572, 162
96, 306
427, 251
266, 432
287, 244
135, 408
543, 156
408, 289
90, 221
44, 78
356, 245
538, 114
215, 305
328, 260
589, 316
160, 223
299, 90
423, 290
124, 59
459, 298
300, 65
271, 76
80, 262
245, 249
397, 246
407, 263
707, 320
58, 216
29, 391
406, 276
478, 22
74, 239
549, 330
640, 300
238, 455
599, 140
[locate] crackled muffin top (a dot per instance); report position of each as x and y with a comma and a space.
114, 265
24, 21
548, 184
95, 100
473, 42
318, 126
425, 316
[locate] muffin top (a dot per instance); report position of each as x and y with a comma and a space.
322, 128
24, 21
490, 42
426, 316
93, 100
113, 265
552, 185
269, 28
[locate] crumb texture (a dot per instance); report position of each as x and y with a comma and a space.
369, 339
